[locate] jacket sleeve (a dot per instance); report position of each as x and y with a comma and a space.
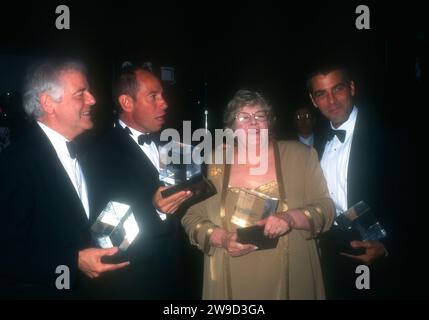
319, 207
28, 254
198, 220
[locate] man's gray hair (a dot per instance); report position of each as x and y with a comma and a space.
44, 78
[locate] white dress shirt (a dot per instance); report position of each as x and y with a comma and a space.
71, 166
335, 163
150, 150
307, 141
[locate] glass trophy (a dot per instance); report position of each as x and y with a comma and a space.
116, 226
356, 223
361, 219
180, 171
252, 206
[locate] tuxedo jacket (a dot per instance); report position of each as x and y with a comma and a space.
368, 173
43, 224
118, 170
368, 178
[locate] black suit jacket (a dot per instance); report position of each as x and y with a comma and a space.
368, 174
43, 223
118, 170
368, 178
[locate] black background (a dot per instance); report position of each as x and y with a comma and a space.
218, 47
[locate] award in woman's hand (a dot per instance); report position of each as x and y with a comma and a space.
252, 206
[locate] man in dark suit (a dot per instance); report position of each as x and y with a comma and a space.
123, 166
305, 124
351, 161
44, 203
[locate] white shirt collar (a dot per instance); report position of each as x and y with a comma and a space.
151, 152
308, 141
134, 132
58, 140
349, 125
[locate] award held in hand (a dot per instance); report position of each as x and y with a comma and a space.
116, 226
252, 206
255, 235
359, 223
180, 172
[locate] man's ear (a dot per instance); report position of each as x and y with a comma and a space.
126, 102
47, 103
352, 88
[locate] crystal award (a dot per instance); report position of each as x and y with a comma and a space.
116, 226
182, 170
250, 207
361, 219
356, 223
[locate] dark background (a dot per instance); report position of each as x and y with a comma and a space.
217, 48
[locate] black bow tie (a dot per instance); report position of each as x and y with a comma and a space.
144, 138
341, 134
72, 147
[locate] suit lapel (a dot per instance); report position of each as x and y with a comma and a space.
55, 177
138, 162
321, 139
357, 172
351, 170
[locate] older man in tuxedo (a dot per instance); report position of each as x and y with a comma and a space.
44, 202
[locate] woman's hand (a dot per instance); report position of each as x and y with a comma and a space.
282, 222
220, 238
277, 224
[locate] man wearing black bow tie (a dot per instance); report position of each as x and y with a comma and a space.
44, 199
124, 167
350, 160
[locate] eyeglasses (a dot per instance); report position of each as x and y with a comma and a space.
245, 117
300, 117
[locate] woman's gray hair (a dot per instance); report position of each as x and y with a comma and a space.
44, 78
243, 98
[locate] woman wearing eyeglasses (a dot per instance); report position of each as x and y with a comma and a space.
280, 188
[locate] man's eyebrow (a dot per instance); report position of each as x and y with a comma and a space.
342, 83
79, 91
319, 91
154, 92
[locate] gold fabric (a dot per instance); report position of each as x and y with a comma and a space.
256, 274
290, 271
